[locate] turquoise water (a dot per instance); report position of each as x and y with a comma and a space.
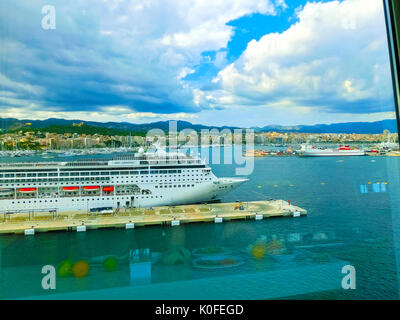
345, 226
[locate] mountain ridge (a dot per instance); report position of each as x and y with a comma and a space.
375, 127
345, 127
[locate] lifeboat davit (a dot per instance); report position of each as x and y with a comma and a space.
91, 187
70, 188
27, 190
108, 189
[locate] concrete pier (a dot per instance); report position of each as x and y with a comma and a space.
137, 217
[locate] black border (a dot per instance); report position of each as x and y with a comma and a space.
393, 34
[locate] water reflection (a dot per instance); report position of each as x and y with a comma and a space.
151, 256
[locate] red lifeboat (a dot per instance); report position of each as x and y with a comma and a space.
108, 189
27, 190
70, 188
91, 188
344, 148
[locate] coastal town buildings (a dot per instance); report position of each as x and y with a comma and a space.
53, 141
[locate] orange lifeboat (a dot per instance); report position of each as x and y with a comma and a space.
91, 188
108, 189
70, 188
27, 190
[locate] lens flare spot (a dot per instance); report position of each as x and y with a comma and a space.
80, 269
110, 264
258, 251
65, 268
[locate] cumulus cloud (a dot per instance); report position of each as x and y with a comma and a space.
333, 59
103, 114
129, 59
112, 52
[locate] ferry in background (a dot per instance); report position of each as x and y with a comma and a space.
140, 180
310, 151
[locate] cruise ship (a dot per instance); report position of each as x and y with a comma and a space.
137, 180
310, 151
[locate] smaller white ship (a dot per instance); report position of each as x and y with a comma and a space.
310, 151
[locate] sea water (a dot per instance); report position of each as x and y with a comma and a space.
353, 220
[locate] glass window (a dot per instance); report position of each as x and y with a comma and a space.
303, 127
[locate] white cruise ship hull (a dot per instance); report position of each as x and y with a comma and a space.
310, 151
331, 153
104, 185
201, 193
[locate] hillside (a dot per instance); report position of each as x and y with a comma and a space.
126, 128
348, 127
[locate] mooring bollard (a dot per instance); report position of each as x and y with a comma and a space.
29, 232
218, 220
81, 228
175, 223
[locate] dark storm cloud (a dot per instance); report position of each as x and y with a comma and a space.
80, 67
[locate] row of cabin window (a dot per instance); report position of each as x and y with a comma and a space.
175, 186
98, 199
136, 197
56, 180
105, 173
66, 180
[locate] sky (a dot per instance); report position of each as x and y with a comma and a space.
215, 62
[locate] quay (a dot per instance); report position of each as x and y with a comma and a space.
29, 223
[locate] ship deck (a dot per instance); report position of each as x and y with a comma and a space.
36, 222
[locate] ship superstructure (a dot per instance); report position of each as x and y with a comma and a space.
143, 180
